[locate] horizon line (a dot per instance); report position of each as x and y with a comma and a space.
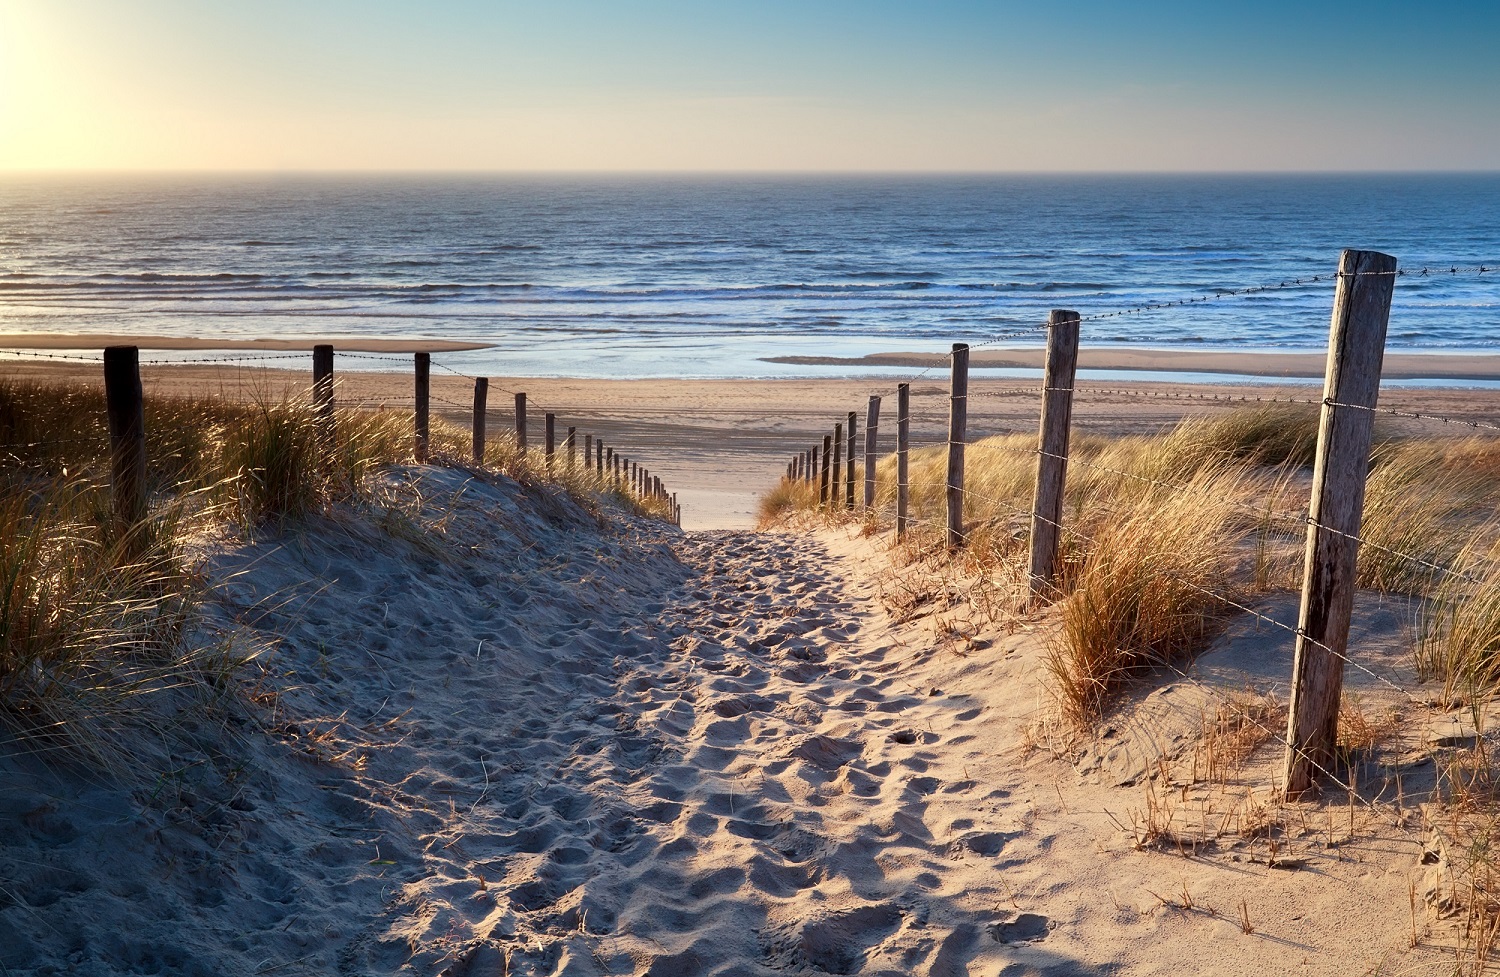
474, 172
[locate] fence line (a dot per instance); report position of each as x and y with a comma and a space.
122, 375
1308, 736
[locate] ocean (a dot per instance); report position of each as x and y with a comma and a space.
708, 276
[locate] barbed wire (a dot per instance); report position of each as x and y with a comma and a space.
222, 360
1477, 425
34, 355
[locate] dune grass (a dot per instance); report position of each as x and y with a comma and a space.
1162, 529
89, 624
1149, 586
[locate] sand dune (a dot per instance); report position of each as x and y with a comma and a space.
492, 734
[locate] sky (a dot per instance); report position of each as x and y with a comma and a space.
770, 85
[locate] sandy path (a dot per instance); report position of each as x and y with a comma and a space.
770, 777
498, 737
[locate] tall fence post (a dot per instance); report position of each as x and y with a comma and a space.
423, 366
812, 471
872, 427
838, 471
958, 426
481, 405
851, 420
903, 445
572, 442
823, 474
549, 437
599, 457
125, 404
521, 422
588, 453
323, 393
1052, 450
1356, 349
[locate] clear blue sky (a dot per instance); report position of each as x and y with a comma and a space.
772, 85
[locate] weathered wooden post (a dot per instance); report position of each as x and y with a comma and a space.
812, 469
323, 394
521, 422
599, 457
124, 403
1356, 349
611, 469
481, 406
958, 425
838, 470
872, 427
572, 442
1052, 450
823, 475
903, 443
849, 463
549, 437
423, 376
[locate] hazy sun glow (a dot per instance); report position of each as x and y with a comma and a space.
662, 85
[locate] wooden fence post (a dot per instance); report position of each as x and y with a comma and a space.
124, 404
958, 425
812, 470
572, 441
521, 422
872, 428
1052, 450
549, 437
849, 462
823, 475
481, 405
1356, 349
610, 468
588, 453
903, 443
838, 451
423, 376
323, 393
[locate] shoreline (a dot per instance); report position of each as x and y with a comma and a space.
81, 341
1193, 365
1271, 366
